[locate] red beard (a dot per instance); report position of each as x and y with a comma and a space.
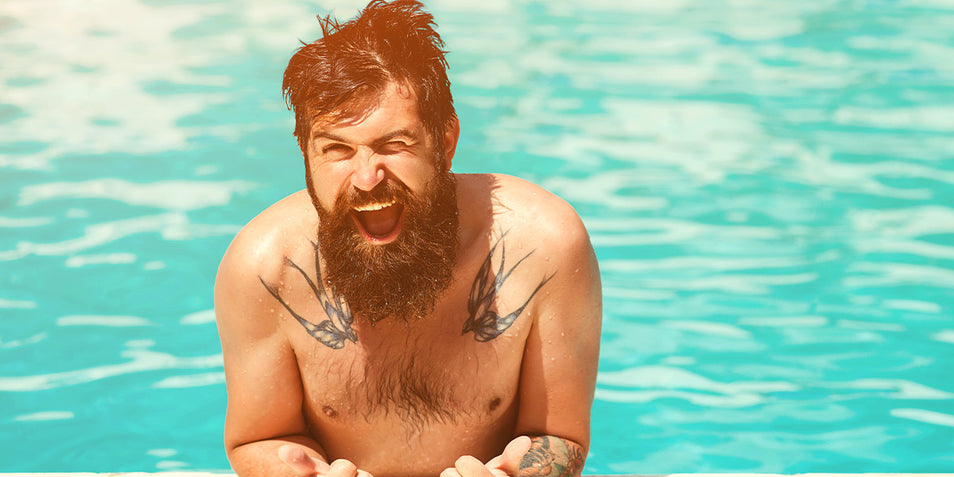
402, 278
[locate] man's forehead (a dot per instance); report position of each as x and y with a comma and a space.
399, 114
342, 117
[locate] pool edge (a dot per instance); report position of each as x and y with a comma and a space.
727, 474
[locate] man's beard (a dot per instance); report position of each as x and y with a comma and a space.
405, 277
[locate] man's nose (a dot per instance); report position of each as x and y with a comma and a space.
369, 171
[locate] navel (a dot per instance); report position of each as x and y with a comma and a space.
494, 404
330, 412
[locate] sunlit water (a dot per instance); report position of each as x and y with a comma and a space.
768, 185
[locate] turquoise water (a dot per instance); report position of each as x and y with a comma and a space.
768, 185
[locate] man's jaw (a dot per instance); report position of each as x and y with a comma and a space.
380, 222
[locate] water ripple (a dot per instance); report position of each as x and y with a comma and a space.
922, 415
140, 360
175, 195
170, 226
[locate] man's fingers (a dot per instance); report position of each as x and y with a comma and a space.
300, 462
450, 472
509, 460
342, 468
306, 466
518, 447
469, 466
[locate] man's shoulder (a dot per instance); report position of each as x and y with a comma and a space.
547, 245
527, 211
259, 249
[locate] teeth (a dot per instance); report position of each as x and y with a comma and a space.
374, 206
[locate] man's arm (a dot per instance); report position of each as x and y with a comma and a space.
558, 373
552, 456
261, 373
560, 360
265, 431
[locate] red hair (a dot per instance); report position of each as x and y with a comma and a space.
342, 74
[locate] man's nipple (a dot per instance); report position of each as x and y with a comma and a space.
330, 412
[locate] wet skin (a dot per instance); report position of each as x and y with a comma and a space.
509, 349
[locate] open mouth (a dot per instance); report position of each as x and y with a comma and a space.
379, 221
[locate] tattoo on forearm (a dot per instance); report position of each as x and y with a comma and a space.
552, 457
484, 322
332, 332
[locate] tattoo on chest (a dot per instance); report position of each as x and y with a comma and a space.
485, 323
552, 457
332, 332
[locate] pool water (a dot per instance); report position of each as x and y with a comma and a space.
768, 185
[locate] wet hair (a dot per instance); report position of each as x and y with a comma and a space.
342, 75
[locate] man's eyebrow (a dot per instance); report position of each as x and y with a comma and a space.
381, 140
327, 135
396, 133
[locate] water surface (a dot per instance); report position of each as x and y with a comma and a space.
768, 185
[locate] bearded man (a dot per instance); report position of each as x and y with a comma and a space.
398, 319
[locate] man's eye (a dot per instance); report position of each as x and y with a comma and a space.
393, 147
336, 151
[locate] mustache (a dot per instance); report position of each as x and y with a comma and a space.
386, 191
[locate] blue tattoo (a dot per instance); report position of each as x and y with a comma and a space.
332, 332
485, 323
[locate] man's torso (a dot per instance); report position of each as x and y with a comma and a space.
428, 389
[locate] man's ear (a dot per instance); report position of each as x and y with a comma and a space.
451, 135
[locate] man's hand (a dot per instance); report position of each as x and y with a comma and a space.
506, 464
305, 466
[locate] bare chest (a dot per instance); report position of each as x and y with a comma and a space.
437, 388
429, 391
